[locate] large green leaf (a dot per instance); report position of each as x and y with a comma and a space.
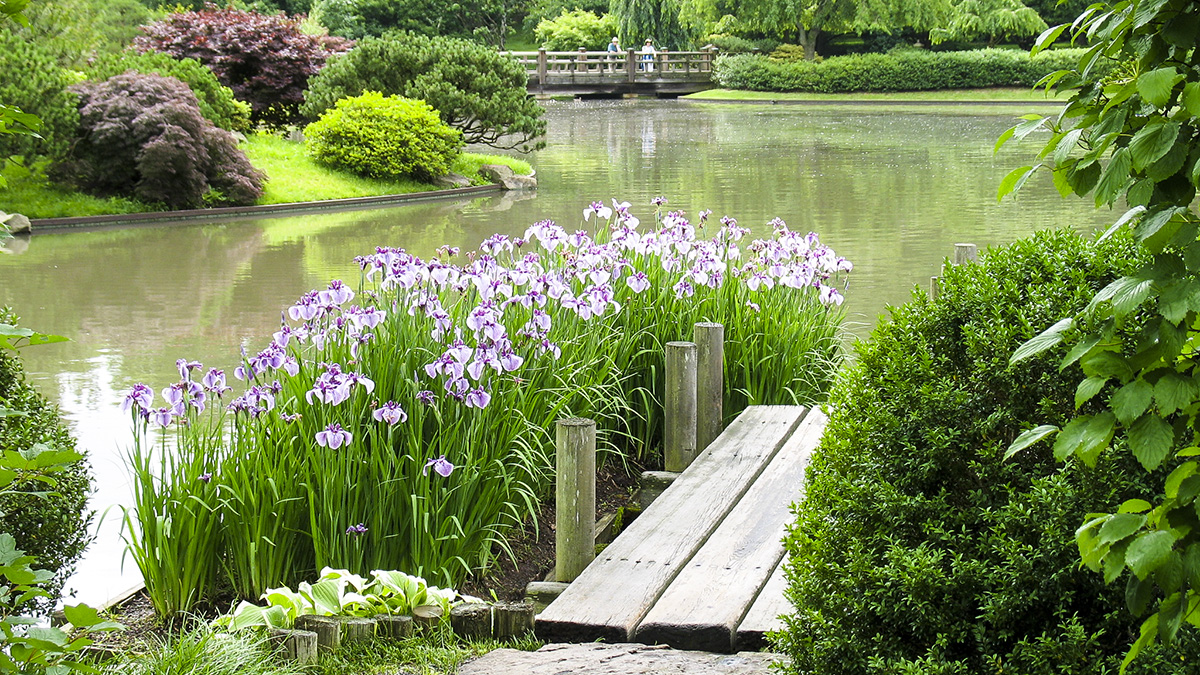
1043, 341
1149, 551
1028, 438
1152, 142
1096, 436
1131, 400
1119, 526
1174, 391
1088, 388
1155, 86
1150, 439
1113, 178
1191, 98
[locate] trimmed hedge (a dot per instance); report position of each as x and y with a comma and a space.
918, 548
217, 103
385, 137
55, 530
899, 70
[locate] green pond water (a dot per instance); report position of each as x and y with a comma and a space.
892, 191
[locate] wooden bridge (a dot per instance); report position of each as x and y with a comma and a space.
584, 73
702, 567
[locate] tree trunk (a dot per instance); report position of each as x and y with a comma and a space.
808, 40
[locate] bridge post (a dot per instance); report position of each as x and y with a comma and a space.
661, 61
679, 409
710, 382
575, 497
631, 65
541, 69
581, 61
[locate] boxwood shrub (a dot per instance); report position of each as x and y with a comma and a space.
384, 137
54, 530
917, 548
898, 70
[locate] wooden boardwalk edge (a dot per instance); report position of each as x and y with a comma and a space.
612, 596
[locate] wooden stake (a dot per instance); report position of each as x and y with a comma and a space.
298, 645
710, 382
427, 617
327, 628
472, 620
679, 437
965, 253
511, 619
575, 497
394, 626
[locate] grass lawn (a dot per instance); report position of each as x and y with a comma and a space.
291, 177
1015, 95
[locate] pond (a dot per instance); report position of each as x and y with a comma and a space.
892, 191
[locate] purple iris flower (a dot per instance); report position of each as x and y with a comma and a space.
214, 381
356, 529
141, 394
637, 282
334, 437
659, 201
163, 416
205, 477
425, 397
390, 412
478, 398
441, 465
185, 366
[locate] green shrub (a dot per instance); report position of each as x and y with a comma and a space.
142, 136
384, 137
576, 30
34, 82
53, 530
217, 103
474, 88
917, 548
899, 70
732, 44
787, 52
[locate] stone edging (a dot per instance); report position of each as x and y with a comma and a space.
236, 212
865, 102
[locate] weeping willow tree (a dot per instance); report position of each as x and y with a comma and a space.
993, 20
657, 20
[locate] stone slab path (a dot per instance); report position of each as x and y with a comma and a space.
617, 659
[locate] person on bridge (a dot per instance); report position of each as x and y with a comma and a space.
648, 54
614, 48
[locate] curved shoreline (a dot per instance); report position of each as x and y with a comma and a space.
247, 212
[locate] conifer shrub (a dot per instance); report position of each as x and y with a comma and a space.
143, 136
384, 137
54, 529
217, 103
474, 88
918, 548
32, 80
264, 58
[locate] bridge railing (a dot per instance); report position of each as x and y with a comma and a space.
581, 66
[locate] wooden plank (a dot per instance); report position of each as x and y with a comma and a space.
702, 607
612, 595
765, 612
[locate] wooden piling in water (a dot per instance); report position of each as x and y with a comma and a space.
710, 382
679, 436
963, 254
575, 497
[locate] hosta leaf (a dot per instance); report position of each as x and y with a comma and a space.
1148, 551
1150, 439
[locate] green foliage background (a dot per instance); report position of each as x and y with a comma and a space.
34, 82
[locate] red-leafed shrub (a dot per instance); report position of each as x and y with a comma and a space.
265, 59
143, 136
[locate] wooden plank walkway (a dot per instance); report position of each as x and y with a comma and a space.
693, 569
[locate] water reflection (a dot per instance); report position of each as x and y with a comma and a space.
893, 192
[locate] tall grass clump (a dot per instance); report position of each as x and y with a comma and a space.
404, 424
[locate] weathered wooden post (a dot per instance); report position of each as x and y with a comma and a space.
630, 65
542, 67
710, 382
581, 61
679, 437
963, 254
575, 497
